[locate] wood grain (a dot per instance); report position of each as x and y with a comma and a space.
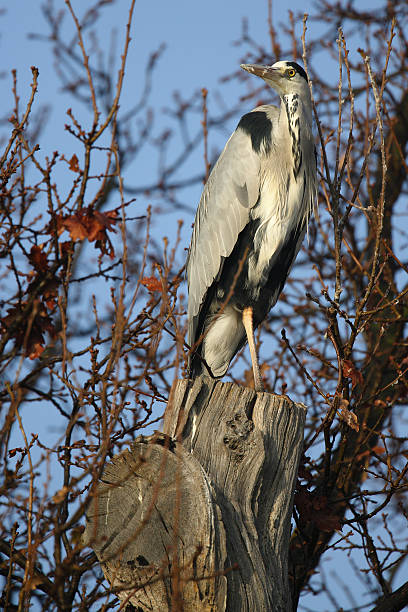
198, 518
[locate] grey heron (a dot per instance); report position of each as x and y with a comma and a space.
250, 222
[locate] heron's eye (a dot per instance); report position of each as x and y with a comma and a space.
291, 72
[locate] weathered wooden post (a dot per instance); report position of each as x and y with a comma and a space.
198, 518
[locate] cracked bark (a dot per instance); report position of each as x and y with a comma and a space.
198, 518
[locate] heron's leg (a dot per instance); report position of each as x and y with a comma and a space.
247, 314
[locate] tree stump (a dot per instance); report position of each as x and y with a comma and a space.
198, 518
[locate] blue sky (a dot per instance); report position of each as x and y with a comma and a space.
199, 50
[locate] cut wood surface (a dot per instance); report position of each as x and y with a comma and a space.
198, 518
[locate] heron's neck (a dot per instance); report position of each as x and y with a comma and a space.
296, 111
299, 125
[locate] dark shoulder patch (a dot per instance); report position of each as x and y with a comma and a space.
259, 128
298, 69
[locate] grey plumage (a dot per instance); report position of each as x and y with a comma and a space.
251, 221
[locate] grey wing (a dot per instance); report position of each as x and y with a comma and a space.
230, 192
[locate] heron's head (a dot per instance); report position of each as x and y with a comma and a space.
285, 77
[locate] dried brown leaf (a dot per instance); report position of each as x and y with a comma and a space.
350, 418
76, 228
36, 350
350, 371
316, 509
151, 283
73, 164
38, 258
93, 225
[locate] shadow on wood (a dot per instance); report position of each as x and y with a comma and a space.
198, 518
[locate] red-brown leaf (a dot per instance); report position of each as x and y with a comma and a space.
38, 258
16, 320
73, 164
378, 450
36, 351
95, 229
107, 219
316, 509
77, 230
51, 303
350, 371
151, 283
93, 225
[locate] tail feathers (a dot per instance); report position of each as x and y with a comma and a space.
197, 365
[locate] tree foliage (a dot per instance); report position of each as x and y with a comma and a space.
92, 326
